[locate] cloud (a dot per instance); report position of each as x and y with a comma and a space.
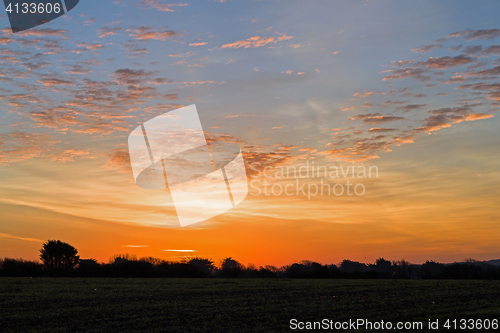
419, 74
375, 118
47, 32
427, 48
421, 70
352, 146
256, 41
401, 62
134, 49
160, 6
190, 83
348, 108
66, 98
478, 116
454, 79
378, 130
109, 31
446, 62
89, 21
455, 48
492, 90
5, 40
479, 50
394, 103
78, 69
493, 49
482, 86
359, 95
237, 116
359, 152
445, 117
181, 55
403, 138
54, 82
9, 236
82, 47
198, 44
473, 49
487, 72
119, 159
70, 155
158, 81
171, 250
284, 36
411, 107
148, 33
128, 76
21, 146
476, 34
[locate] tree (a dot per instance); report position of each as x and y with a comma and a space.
231, 268
383, 265
352, 266
432, 270
59, 255
205, 265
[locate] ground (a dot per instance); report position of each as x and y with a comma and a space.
233, 305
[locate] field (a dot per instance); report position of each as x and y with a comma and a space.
232, 305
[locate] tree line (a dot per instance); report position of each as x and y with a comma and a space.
61, 259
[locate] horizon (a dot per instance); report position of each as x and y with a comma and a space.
186, 258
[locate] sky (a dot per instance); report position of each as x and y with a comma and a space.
407, 91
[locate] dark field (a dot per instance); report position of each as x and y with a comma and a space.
232, 305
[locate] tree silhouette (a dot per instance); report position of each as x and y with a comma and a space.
352, 266
231, 268
59, 255
205, 265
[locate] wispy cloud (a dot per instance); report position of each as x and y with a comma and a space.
169, 250
256, 41
109, 31
469, 34
145, 33
9, 236
376, 118
161, 6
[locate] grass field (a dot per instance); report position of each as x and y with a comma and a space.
231, 305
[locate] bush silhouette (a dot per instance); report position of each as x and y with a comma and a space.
59, 256
61, 259
231, 268
19, 267
204, 265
